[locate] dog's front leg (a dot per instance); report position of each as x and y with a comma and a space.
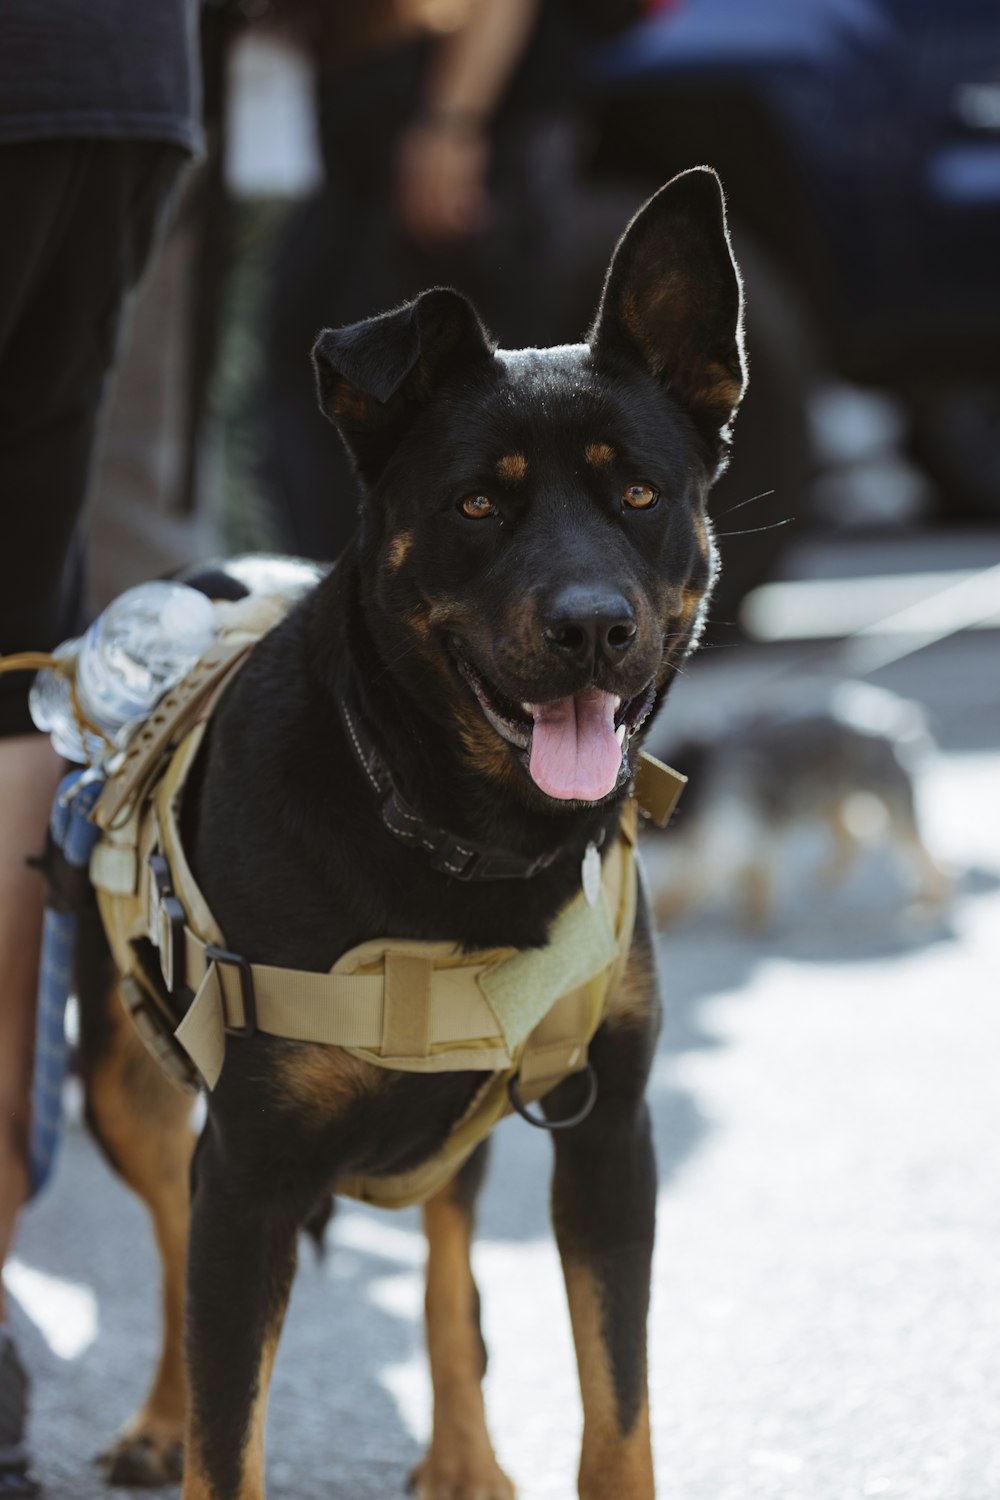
603, 1207
460, 1464
240, 1268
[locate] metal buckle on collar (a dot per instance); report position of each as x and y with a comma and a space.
222, 956
167, 923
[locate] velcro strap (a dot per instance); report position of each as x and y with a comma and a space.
557, 1046
366, 1011
406, 1019
342, 1010
524, 988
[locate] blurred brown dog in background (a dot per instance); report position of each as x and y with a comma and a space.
840, 758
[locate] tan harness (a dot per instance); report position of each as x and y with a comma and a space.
411, 1006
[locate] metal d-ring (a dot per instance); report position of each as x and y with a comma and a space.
539, 1121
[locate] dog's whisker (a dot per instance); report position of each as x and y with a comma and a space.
407, 650
762, 496
751, 530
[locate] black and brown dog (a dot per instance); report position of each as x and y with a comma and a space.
530, 569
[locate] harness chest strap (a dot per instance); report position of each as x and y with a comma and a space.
416, 1006
421, 1007
556, 1048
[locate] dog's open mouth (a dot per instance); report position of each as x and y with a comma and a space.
574, 747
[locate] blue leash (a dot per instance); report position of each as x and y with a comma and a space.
75, 835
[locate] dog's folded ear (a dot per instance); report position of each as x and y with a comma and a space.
673, 302
374, 376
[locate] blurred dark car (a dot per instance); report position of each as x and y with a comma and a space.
859, 141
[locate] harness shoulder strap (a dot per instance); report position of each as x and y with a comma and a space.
164, 727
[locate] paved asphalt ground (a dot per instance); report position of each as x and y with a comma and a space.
827, 1291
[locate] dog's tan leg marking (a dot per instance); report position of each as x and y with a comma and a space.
143, 1123
614, 1465
197, 1485
460, 1464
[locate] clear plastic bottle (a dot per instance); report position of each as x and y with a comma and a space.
145, 641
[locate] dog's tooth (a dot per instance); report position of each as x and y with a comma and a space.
620, 734
526, 709
618, 704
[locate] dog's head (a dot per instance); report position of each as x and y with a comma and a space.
537, 555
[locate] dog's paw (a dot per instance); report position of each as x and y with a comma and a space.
144, 1456
456, 1479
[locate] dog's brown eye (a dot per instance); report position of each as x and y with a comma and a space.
640, 496
476, 507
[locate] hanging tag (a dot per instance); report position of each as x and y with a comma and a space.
590, 874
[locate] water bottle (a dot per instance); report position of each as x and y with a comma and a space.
145, 641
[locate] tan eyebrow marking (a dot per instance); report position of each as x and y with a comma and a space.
399, 550
512, 467
691, 601
599, 455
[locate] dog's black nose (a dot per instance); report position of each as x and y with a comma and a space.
589, 624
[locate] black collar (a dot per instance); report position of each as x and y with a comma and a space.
447, 852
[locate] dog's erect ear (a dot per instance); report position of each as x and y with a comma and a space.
673, 301
374, 376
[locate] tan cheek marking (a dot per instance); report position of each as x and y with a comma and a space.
701, 534
690, 606
484, 747
512, 467
399, 550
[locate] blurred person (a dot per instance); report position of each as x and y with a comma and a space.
447, 142
98, 114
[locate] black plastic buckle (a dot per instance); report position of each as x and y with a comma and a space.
221, 956
172, 961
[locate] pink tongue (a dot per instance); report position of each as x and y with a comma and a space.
574, 753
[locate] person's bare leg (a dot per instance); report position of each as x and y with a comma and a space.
29, 774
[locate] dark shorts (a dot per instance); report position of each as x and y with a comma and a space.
80, 217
